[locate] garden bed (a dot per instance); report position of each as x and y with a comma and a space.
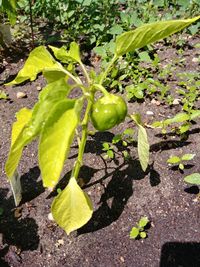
121, 192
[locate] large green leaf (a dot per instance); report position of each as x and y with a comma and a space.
65, 56
49, 97
72, 208
23, 117
143, 144
149, 33
38, 60
56, 138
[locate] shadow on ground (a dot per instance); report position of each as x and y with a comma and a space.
174, 254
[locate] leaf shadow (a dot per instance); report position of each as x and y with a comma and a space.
31, 187
21, 233
116, 194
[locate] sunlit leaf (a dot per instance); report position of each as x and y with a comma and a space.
65, 56
173, 160
149, 33
134, 233
38, 59
17, 144
72, 208
188, 156
56, 138
143, 222
143, 144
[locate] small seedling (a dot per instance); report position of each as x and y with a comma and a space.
179, 160
138, 231
109, 151
3, 95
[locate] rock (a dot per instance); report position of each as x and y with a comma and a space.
21, 95
156, 102
50, 217
195, 59
150, 113
39, 88
176, 101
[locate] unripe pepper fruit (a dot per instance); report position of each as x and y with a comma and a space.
108, 111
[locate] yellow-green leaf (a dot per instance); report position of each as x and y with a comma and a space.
38, 59
17, 144
65, 56
56, 138
72, 208
143, 147
23, 117
149, 33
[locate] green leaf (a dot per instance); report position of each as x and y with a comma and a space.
9, 6
180, 117
116, 29
16, 187
56, 139
3, 95
195, 114
110, 154
181, 166
143, 235
173, 160
17, 144
149, 33
188, 156
65, 56
143, 222
72, 208
134, 233
143, 144
193, 178
55, 73
38, 60
143, 147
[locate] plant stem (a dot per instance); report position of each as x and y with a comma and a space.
85, 73
108, 69
75, 79
31, 22
82, 144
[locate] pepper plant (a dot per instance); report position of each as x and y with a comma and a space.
58, 118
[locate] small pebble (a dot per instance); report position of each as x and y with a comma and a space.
122, 259
39, 88
150, 113
176, 101
21, 95
156, 102
50, 217
195, 59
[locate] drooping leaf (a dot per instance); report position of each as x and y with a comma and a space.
143, 147
193, 178
56, 138
17, 143
48, 97
65, 56
149, 33
143, 144
38, 60
16, 187
72, 208
55, 73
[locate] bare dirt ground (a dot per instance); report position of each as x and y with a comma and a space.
120, 190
